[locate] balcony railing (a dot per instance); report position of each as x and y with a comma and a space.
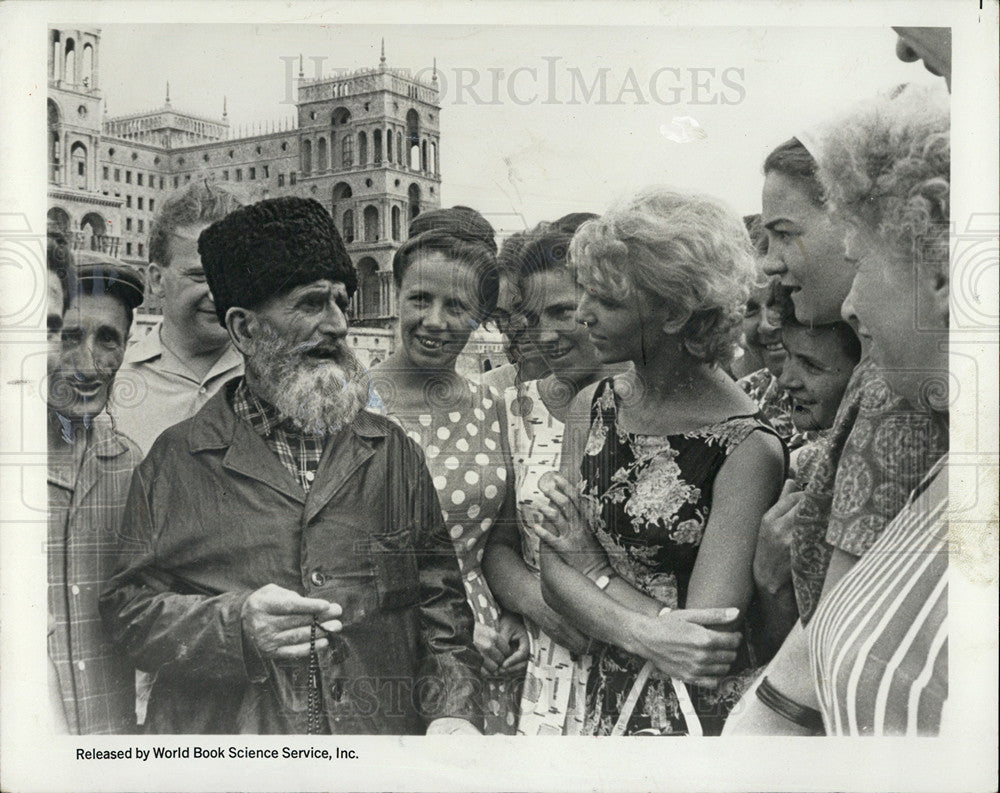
101, 243
375, 298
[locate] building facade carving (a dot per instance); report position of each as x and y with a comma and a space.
366, 145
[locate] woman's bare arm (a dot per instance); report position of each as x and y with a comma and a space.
519, 590
772, 569
688, 644
746, 486
790, 672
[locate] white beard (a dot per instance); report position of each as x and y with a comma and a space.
316, 396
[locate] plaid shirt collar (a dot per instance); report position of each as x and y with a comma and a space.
299, 453
261, 415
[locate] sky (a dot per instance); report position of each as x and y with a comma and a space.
521, 139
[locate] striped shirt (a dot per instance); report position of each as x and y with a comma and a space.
879, 642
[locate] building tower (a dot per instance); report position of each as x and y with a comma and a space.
369, 148
365, 144
76, 205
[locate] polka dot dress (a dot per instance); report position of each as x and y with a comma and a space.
466, 460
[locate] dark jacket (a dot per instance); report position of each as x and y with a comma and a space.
212, 515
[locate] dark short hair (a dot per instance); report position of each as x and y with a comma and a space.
59, 259
792, 159
850, 344
461, 221
545, 251
509, 252
758, 237
468, 253
544, 247
572, 221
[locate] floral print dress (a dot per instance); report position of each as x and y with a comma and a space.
652, 496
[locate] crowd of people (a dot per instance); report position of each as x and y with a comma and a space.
706, 495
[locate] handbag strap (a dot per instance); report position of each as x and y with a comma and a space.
632, 699
680, 690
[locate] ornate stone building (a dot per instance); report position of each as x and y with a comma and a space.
365, 144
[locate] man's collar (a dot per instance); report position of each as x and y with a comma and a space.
259, 413
145, 349
97, 432
68, 432
369, 425
151, 346
215, 425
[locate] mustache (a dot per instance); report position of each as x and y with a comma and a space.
266, 339
322, 346
317, 385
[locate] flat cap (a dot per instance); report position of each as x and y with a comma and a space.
98, 273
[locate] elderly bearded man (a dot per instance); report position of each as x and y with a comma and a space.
285, 568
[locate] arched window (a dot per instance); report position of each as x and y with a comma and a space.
388, 145
371, 224
69, 62
322, 163
434, 158
348, 226
369, 297
362, 149
55, 153
413, 193
55, 54
58, 219
399, 147
395, 223
341, 192
413, 139
78, 165
307, 156
340, 116
94, 228
423, 156
87, 73
347, 146
377, 146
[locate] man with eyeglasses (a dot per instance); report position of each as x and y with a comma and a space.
168, 375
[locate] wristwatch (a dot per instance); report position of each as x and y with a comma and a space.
602, 581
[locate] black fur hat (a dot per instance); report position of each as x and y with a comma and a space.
270, 247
